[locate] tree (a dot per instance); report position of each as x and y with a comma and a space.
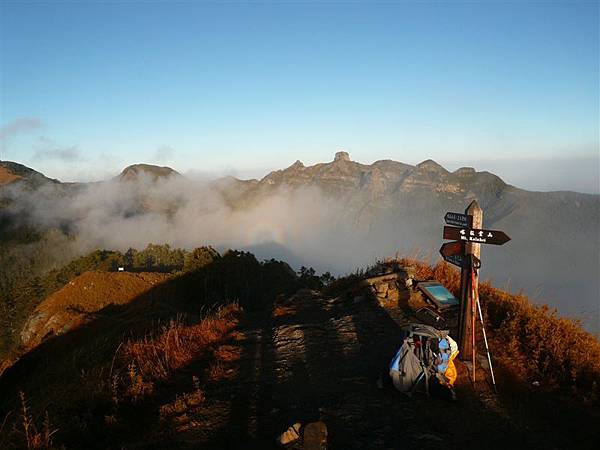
200, 257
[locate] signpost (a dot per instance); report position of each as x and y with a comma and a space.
476, 235
457, 219
467, 233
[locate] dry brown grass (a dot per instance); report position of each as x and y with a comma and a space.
34, 438
81, 298
282, 311
6, 176
531, 339
174, 346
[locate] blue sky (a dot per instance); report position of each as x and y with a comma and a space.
244, 87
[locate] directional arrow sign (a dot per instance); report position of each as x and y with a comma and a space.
451, 249
457, 260
452, 252
457, 219
476, 236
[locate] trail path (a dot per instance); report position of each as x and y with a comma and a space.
319, 359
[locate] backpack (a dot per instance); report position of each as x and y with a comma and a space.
415, 360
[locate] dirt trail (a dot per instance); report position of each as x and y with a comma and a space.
313, 359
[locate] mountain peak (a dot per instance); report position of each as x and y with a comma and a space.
465, 171
341, 156
133, 172
430, 165
297, 165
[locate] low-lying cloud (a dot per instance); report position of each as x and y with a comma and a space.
301, 224
47, 150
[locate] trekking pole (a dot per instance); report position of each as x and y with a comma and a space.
473, 318
487, 348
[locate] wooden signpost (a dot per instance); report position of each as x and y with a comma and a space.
465, 252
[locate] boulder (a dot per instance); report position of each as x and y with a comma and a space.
292, 434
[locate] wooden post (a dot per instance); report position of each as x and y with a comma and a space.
468, 285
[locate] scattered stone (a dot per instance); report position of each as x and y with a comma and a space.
292, 434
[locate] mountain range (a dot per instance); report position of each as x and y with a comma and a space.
377, 210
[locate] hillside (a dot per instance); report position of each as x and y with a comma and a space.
163, 370
7, 176
80, 300
11, 172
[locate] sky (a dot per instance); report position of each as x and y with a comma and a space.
242, 88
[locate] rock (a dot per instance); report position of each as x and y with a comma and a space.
465, 171
381, 289
292, 434
393, 295
315, 436
342, 156
416, 300
403, 296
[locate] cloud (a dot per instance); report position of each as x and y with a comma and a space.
48, 150
21, 125
188, 213
163, 153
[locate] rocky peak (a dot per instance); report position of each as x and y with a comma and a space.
297, 165
341, 156
430, 165
133, 172
465, 171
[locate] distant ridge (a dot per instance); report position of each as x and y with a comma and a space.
135, 171
344, 176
